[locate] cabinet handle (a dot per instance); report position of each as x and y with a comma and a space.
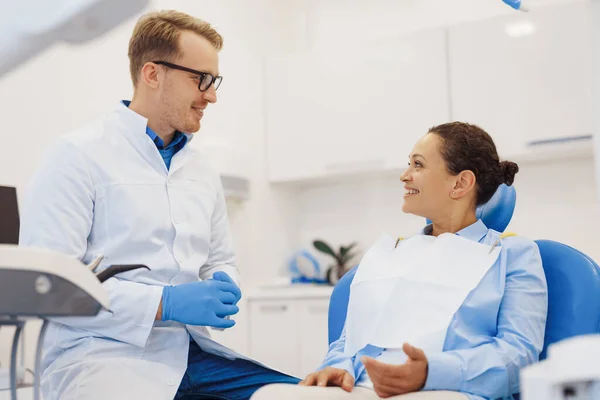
280, 308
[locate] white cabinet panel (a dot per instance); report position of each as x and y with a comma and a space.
273, 334
350, 109
313, 334
288, 328
524, 77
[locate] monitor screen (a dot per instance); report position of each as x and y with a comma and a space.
9, 216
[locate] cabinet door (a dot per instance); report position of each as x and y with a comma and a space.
353, 109
274, 334
524, 77
312, 316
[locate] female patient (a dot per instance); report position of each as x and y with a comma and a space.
496, 331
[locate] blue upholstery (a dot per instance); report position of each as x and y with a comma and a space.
573, 292
497, 212
338, 305
573, 282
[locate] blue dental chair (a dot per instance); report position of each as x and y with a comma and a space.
573, 281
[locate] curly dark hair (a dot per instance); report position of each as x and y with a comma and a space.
467, 147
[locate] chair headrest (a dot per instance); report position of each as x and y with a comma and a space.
497, 212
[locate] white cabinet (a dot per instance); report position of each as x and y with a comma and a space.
353, 109
313, 346
288, 328
273, 330
525, 77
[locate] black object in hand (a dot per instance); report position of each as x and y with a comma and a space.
117, 269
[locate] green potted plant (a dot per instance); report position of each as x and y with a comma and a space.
341, 258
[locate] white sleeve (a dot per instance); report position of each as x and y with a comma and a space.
57, 214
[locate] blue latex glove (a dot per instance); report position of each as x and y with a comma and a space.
205, 303
224, 277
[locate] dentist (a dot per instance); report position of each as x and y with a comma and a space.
129, 187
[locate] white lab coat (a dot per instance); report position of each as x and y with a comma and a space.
105, 189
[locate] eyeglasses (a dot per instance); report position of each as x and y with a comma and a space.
206, 79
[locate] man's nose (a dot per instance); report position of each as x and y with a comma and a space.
210, 94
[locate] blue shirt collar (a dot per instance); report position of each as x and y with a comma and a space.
474, 232
180, 139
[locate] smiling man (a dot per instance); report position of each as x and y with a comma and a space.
130, 188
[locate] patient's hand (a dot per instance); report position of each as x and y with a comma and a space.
330, 377
391, 380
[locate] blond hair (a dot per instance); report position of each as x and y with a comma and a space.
156, 35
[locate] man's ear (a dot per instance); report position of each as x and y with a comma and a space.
149, 75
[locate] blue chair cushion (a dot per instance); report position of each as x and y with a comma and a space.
338, 305
497, 212
573, 292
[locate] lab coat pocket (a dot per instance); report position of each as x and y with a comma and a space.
137, 211
199, 199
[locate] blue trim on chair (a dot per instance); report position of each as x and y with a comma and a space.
338, 305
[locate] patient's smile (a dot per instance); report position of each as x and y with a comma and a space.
410, 192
